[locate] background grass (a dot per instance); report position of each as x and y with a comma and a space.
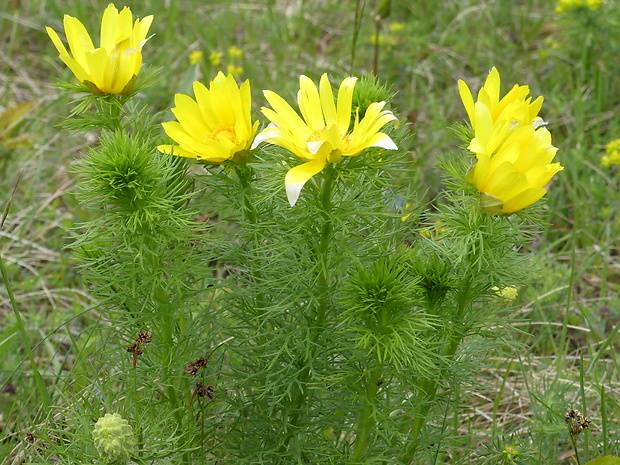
568, 320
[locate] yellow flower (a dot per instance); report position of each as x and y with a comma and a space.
215, 127
594, 4
514, 106
377, 39
113, 67
235, 52
507, 293
396, 27
234, 70
510, 452
565, 5
322, 134
195, 57
612, 156
512, 147
215, 58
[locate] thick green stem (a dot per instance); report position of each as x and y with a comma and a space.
430, 387
367, 419
301, 396
22, 329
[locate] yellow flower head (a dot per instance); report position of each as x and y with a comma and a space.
195, 57
113, 67
512, 146
507, 293
510, 452
321, 134
215, 58
396, 27
215, 127
594, 4
612, 155
566, 5
235, 52
515, 106
234, 70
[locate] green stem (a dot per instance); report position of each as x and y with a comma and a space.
367, 417
22, 329
575, 448
430, 386
301, 396
111, 106
163, 308
375, 57
359, 11
166, 331
244, 173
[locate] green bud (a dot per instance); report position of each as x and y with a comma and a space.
113, 437
384, 9
367, 91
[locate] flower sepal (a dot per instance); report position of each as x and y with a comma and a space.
491, 205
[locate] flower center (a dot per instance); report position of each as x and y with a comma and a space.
318, 136
228, 132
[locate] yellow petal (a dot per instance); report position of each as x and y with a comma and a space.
492, 86
373, 120
62, 50
78, 38
298, 176
541, 175
222, 149
78, 71
124, 27
107, 35
177, 133
327, 101
176, 150
203, 98
468, 100
189, 116
345, 101
310, 103
96, 61
332, 136
287, 116
271, 134
524, 199
298, 145
378, 139
120, 68
140, 30
506, 182
483, 130
481, 172
245, 94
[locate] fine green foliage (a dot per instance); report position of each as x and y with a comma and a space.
369, 323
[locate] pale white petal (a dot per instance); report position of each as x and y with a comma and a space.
264, 136
385, 143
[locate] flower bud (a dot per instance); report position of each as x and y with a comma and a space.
113, 437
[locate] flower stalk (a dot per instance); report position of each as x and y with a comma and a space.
322, 250
429, 387
367, 420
